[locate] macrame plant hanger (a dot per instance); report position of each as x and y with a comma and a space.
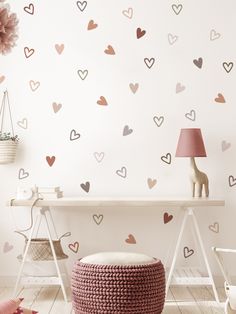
8, 141
6, 102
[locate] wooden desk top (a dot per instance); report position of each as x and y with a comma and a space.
121, 202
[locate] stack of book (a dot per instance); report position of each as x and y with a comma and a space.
48, 193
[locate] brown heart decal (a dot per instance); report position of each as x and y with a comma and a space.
167, 218
92, 25
29, 9
50, 160
232, 181
134, 87
98, 218
215, 227
188, 252
151, 183
166, 158
130, 239
85, 186
109, 50
102, 101
220, 99
140, 33
28, 52
74, 247
228, 66
198, 62
56, 107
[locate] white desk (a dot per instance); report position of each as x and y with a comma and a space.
186, 204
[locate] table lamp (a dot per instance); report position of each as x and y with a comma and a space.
191, 145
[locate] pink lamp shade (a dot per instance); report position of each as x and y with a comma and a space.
190, 144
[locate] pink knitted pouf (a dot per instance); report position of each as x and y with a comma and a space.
118, 287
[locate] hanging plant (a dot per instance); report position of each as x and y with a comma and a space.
8, 140
8, 28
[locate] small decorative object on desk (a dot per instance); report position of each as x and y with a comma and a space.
48, 193
191, 145
8, 140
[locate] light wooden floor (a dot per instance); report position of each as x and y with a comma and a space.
50, 300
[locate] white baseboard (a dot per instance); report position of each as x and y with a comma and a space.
9, 281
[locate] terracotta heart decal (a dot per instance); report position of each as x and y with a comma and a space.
225, 145
122, 172
59, 48
28, 52
130, 239
73, 135
56, 107
23, 123
74, 247
228, 66
177, 8
50, 160
128, 13
102, 101
22, 174
198, 62
81, 5
166, 158
140, 33
151, 183
83, 74
214, 35
2, 78
188, 252
179, 88
34, 85
232, 181
191, 115
98, 218
92, 25
85, 187
29, 9
109, 50
149, 62
215, 227
158, 120
134, 87
99, 156
127, 130
167, 218
172, 39
220, 98
7, 247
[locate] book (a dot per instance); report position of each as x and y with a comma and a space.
48, 189
51, 196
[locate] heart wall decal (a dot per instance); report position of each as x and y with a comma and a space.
98, 218
131, 239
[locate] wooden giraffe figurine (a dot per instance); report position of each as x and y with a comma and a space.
198, 180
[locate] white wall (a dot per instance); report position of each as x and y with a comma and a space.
101, 127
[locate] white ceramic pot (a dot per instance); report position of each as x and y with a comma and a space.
7, 151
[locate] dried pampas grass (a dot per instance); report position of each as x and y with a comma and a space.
8, 29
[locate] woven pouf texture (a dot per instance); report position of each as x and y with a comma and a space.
120, 289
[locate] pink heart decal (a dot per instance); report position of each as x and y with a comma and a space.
151, 183
7, 247
130, 239
56, 107
2, 78
59, 48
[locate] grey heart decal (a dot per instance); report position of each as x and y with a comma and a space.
22, 174
127, 130
122, 172
73, 135
99, 156
98, 218
82, 74
158, 120
191, 115
85, 187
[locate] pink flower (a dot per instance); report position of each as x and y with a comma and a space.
8, 28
